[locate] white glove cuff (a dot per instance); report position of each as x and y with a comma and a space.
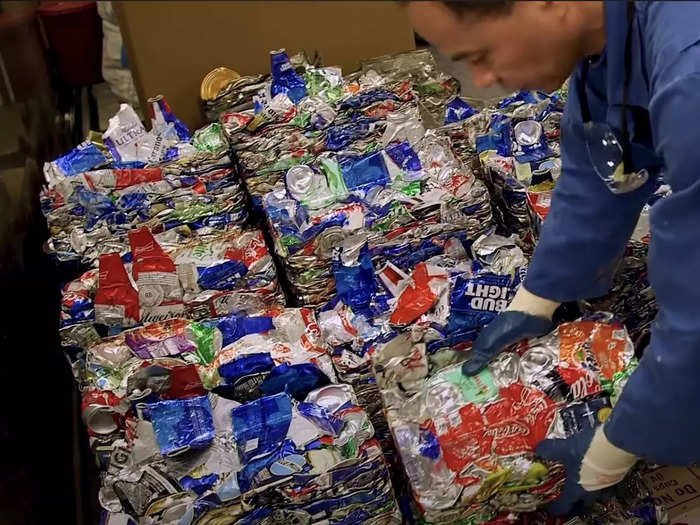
532, 304
604, 464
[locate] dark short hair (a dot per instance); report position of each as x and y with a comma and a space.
482, 7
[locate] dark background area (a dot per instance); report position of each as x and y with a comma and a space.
41, 466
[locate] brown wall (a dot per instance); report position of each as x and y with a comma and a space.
172, 45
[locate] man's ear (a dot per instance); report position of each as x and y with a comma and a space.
558, 10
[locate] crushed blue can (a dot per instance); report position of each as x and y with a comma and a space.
181, 424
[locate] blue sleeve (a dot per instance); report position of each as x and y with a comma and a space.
658, 413
587, 228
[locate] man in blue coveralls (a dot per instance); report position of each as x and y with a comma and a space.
633, 113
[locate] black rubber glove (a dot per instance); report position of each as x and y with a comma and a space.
570, 452
508, 328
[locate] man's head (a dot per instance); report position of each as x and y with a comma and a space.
519, 45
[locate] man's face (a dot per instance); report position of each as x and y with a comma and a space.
534, 45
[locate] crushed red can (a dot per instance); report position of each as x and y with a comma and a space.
102, 412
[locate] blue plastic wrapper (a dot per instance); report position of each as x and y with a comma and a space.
182, 423
527, 97
79, 317
341, 136
534, 153
284, 78
83, 158
368, 97
183, 133
296, 380
134, 201
96, 206
356, 284
430, 448
458, 109
321, 418
405, 157
476, 301
327, 506
425, 251
364, 171
199, 485
356, 516
127, 165
261, 425
282, 462
172, 153
234, 327
245, 365
498, 138
344, 474
221, 276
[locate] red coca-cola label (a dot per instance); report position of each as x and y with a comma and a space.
532, 407
462, 437
472, 419
461, 450
573, 341
499, 411
609, 346
512, 436
582, 383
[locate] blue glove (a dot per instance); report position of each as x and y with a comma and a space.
508, 328
570, 452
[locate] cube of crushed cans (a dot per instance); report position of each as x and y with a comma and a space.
357, 161
204, 399
516, 142
165, 275
164, 180
467, 443
394, 216
237, 416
